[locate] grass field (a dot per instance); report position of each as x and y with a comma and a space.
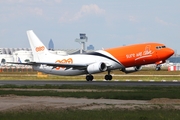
107, 114
109, 92
145, 74
96, 92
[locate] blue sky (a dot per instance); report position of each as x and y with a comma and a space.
107, 23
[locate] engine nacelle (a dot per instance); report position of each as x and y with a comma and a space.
132, 69
96, 67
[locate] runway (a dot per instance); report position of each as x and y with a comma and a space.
81, 83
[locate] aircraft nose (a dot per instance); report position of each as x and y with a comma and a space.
165, 53
170, 52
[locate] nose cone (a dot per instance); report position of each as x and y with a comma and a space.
170, 52
165, 53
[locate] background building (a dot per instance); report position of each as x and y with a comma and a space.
51, 45
90, 47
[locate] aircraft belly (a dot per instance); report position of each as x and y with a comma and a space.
69, 72
116, 66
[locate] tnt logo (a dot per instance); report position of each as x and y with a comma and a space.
41, 48
68, 61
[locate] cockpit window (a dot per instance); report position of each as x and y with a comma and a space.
159, 47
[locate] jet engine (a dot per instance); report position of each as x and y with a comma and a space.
96, 67
132, 69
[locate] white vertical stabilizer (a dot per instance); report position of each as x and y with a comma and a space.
39, 50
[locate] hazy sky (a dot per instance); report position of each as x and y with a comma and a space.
107, 23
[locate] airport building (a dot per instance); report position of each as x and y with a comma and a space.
14, 55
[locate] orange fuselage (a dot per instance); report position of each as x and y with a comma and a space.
141, 54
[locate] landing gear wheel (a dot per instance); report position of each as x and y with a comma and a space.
158, 68
89, 77
108, 77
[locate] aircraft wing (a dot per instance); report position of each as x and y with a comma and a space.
74, 66
28, 63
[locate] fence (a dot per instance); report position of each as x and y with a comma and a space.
174, 68
16, 69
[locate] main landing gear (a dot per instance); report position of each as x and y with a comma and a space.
89, 77
106, 77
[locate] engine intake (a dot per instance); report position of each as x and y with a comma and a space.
96, 67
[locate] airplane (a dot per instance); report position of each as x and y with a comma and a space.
98, 61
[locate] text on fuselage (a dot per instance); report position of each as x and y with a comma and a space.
146, 52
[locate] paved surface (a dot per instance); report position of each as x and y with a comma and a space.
101, 83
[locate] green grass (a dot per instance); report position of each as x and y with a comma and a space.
32, 75
104, 114
107, 92
112, 92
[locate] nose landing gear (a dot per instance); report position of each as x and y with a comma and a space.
158, 67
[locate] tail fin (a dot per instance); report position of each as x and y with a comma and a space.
38, 48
